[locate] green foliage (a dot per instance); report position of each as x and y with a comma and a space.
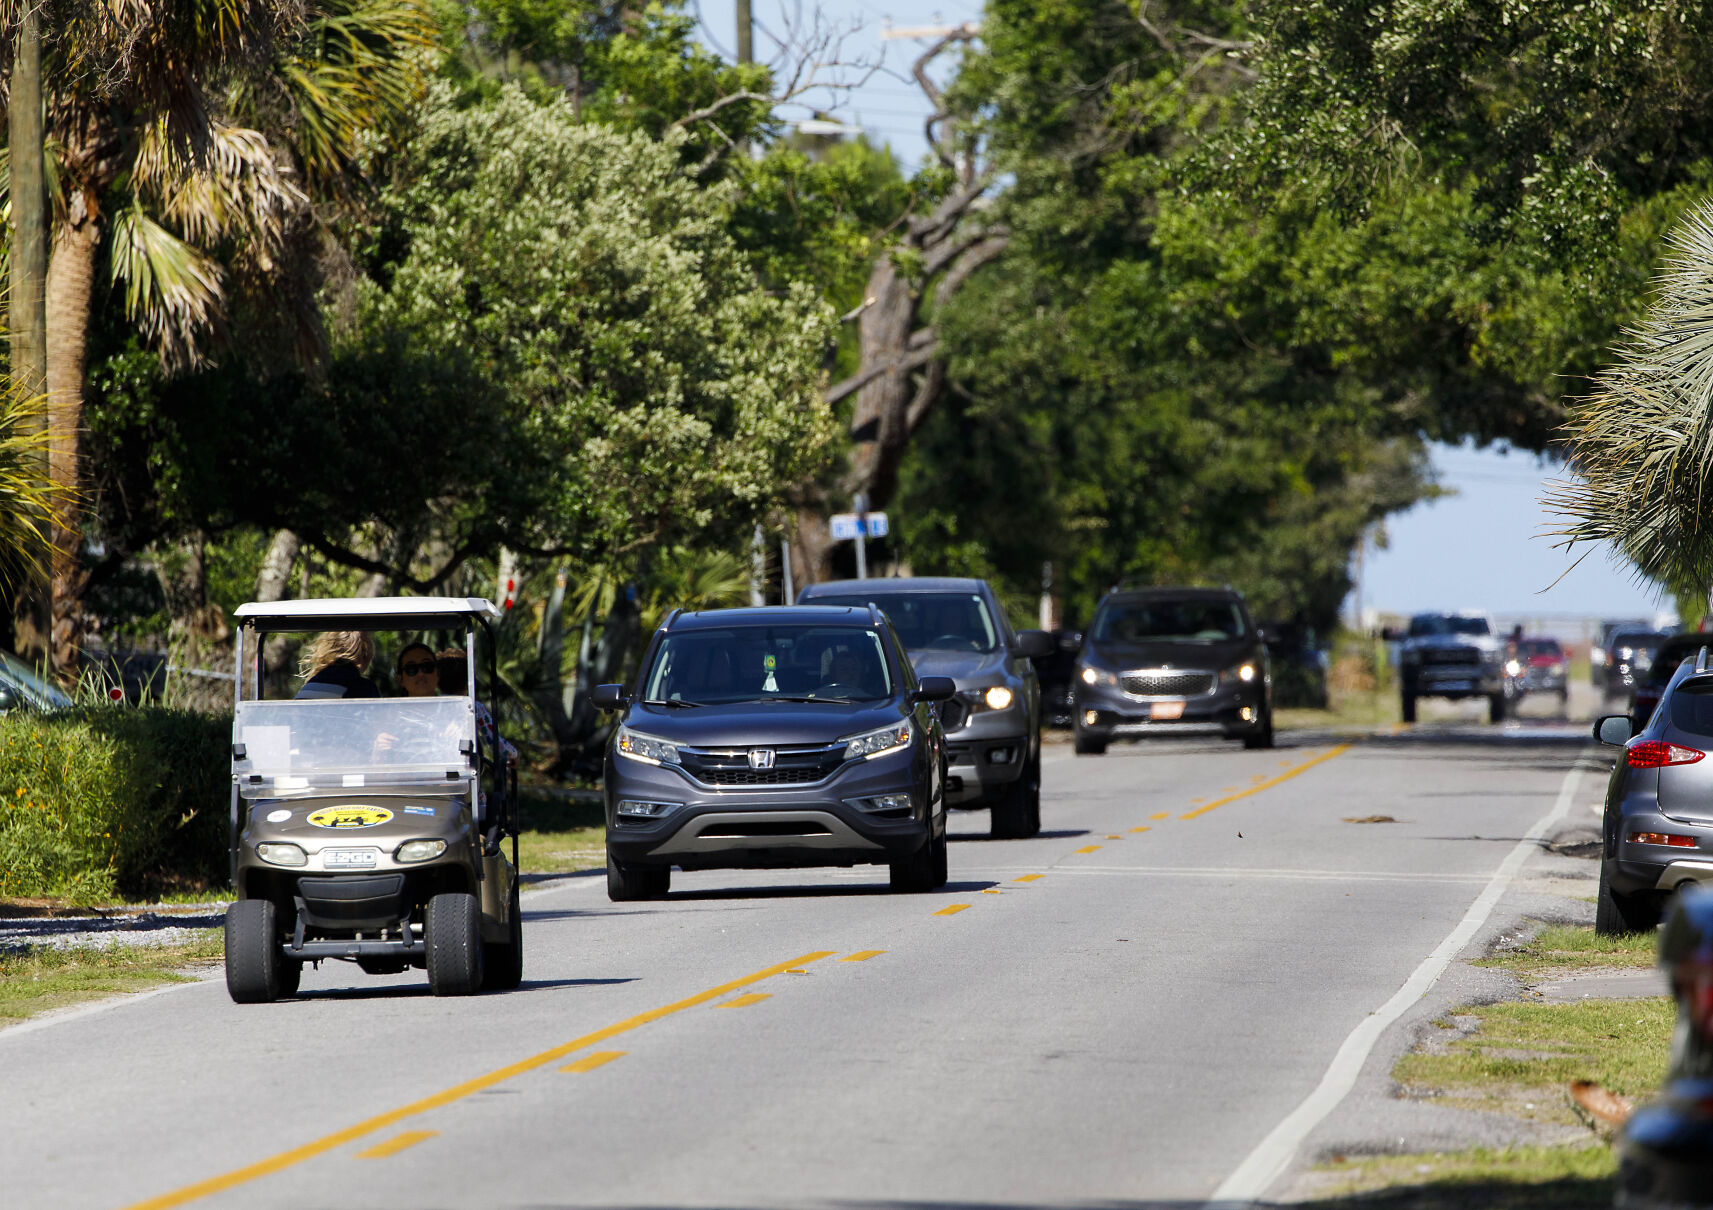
28, 502
618, 327
107, 800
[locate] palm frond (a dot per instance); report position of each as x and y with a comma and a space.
1641, 445
173, 292
237, 190
30, 505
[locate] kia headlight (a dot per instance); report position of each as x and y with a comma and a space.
1097, 676
877, 743
645, 748
1244, 673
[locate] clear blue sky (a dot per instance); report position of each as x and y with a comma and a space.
1481, 548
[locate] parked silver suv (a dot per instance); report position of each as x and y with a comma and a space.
955, 628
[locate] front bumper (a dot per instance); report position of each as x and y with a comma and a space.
1544, 682
1455, 681
1108, 712
770, 827
985, 755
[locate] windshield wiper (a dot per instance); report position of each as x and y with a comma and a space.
786, 697
675, 703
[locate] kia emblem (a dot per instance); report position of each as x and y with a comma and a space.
761, 758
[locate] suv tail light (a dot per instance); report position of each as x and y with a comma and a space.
1657, 754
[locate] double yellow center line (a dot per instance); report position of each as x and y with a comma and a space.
458, 1092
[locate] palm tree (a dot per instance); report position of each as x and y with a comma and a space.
1642, 444
188, 137
29, 507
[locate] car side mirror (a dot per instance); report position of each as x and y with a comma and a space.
610, 697
1391, 634
1615, 729
1033, 644
1071, 641
935, 689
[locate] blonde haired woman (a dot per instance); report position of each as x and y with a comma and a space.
335, 664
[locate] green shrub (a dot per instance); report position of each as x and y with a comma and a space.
102, 801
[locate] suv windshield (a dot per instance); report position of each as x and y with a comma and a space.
759, 663
1435, 624
1194, 621
942, 621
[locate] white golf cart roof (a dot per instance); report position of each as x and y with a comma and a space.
365, 613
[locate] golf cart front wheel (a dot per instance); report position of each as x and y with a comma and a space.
453, 936
256, 972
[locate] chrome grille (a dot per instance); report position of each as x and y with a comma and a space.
1451, 655
1167, 683
758, 777
791, 766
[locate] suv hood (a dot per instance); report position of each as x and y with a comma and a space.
1208, 657
1482, 642
762, 724
967, 668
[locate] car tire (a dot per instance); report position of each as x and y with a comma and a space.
254, 966
291, 974
1496, 705
502, 961
1009, 815
1617, 914
915, 873
628, 883
1088, 745
452, 932
942, 863
1261, 736
1409, 707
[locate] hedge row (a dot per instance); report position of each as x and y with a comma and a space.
103, 801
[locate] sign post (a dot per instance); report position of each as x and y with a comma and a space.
858, 527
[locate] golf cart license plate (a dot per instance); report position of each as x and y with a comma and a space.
348, 859
1165, 712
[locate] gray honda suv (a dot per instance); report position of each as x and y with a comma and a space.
955, 628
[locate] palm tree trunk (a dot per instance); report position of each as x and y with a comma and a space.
71, 282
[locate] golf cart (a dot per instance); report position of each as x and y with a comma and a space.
369, 829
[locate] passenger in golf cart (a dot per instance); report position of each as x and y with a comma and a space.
370, 829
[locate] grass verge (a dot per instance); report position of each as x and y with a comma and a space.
1561, 949
560, 836
1518, 1058
45, 979
1513, 1178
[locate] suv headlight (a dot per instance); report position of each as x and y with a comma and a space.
996, 698
876, 743
1097, 676
1244, 673
646, 748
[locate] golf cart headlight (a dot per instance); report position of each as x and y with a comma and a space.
645, 748
419, 850
877, 743
282, 854
997, 698
1097, 676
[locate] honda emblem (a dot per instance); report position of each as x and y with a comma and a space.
761, 758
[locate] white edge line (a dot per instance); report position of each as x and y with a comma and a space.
1274, 1154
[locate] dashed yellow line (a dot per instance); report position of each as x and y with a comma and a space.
1266, 785
990, 890
1089, 848
393, 1146
329, 1142
599, 1059
1029, 878
952, 910
1140, 828
1115, 836
1159, 815
862, 956
746, 1001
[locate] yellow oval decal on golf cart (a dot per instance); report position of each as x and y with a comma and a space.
349, 817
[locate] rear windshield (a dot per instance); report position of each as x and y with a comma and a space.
764, 663
1667, 659
1177, 621
930, 621
1692, 709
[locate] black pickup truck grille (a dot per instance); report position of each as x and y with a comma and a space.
1451, 655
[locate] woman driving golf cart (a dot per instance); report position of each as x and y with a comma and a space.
358, 829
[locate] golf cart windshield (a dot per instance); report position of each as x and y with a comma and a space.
284, 747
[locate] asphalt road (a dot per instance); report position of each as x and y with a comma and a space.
1120, 1012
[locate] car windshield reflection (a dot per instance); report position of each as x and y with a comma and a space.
768, 663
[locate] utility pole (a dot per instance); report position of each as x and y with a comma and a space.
746, 33
860, 507
29, 317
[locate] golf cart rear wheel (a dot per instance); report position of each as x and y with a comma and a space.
255, 970
453, 933
502, 962
628, 883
